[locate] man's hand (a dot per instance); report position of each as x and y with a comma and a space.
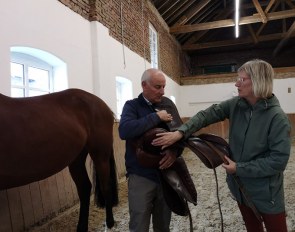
164, 116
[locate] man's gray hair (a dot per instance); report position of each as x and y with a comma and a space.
146, 76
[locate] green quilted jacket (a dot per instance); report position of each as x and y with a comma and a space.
259, 139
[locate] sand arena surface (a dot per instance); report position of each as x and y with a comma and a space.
205, 215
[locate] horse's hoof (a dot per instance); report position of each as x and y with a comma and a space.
110, 224
82, 228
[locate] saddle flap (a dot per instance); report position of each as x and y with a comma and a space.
179, 178
210, 149
178, 187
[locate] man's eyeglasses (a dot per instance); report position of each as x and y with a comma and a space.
242, 79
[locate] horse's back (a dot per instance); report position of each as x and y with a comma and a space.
42, 135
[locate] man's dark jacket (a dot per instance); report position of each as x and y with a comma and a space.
137, 118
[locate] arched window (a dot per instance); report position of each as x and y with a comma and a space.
124, 93
153, 38
36, 72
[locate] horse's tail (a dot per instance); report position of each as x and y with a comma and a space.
112, 193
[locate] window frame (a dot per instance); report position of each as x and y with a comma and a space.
154, 46
123, 93
30, 61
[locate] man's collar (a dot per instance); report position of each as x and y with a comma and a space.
147, 101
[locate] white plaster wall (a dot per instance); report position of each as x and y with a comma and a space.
287, 100
47, 25
195, 98
94, 59
112, 59
198, 97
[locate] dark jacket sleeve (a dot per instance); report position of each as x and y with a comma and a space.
136, 119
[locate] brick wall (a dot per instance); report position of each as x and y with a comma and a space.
134, 17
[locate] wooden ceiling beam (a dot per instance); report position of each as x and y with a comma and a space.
192, 12
290, 4
230, 22
169, 8
162, 5
181, 10
260, 11
266, 11
222, 14
270, 4
253, 35
173, 11
241, 41
204, 16
282, 43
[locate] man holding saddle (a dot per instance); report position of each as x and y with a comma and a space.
145, 191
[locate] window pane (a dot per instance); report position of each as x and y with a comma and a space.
17, 92
33, 93
17, 74
38, 78
153, 39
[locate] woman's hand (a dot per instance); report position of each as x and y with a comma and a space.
167, 138
230, 166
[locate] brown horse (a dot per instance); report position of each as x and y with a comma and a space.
42, 135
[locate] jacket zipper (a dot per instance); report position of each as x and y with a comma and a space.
250, 117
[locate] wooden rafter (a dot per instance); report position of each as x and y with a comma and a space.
289, 34
266, 11
186, 5
230, 22
222, 14
192, 12
255, 39
242, 41
171, 14
260, 11
170, 7
270, 4
290, 4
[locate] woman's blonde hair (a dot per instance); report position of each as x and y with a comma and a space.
262, 75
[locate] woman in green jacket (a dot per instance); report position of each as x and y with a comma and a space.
259, 139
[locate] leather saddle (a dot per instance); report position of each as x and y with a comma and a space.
178, 187
209, 148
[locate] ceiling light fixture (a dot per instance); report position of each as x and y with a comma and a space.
237, 17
